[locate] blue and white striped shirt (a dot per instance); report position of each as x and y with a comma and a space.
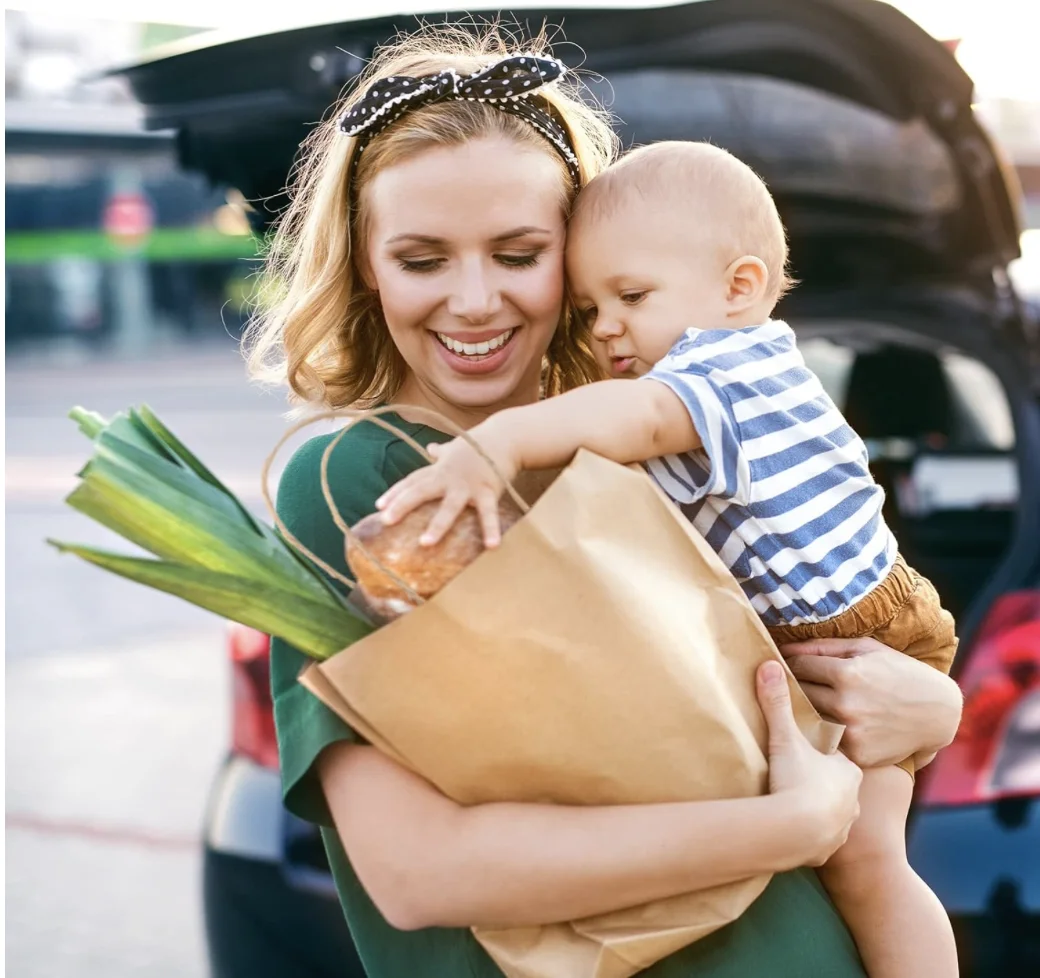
781, 489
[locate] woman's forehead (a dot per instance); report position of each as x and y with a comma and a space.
486, 187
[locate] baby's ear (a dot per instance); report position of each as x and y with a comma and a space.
747, 280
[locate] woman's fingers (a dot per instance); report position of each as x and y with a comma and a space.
840, 648
809, 668
824, 698
775, 700
444, 519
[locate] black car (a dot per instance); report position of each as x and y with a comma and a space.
902, 221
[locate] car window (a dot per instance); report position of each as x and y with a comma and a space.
981, 415
984, 414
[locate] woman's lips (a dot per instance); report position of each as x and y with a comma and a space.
481, 363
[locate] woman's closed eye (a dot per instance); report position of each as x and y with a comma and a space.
527, 259
421, 265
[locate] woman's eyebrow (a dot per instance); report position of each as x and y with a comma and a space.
498, 238
520, 233
421, 238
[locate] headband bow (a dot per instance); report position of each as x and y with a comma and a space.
506, 85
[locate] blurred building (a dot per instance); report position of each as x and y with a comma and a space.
107, 242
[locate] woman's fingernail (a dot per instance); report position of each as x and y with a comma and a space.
772, 674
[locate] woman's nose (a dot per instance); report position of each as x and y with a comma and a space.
476, 296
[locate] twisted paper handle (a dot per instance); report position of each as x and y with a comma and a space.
375, 416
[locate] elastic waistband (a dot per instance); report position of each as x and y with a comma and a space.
873, 611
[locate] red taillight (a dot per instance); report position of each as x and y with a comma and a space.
996, 753
252, 724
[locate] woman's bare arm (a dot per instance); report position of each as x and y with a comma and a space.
426, 861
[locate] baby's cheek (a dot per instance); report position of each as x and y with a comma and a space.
599, 351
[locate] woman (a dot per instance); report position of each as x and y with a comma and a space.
422, 263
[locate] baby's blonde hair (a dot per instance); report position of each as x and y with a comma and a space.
322, 329
710, 188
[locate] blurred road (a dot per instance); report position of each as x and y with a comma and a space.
117, 696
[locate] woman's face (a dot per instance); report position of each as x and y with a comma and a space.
465, 247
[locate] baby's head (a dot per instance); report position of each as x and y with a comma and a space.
675, 235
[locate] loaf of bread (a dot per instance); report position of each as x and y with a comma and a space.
425, 569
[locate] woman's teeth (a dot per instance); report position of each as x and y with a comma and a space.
476, 349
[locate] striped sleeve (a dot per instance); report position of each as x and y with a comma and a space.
720, 467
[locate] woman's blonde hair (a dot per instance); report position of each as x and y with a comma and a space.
322, 330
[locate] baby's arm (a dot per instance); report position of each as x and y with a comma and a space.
618, 419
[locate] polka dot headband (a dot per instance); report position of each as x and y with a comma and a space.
507, 85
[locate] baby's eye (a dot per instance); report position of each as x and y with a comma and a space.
588, 315
634, 298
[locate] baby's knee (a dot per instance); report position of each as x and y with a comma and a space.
865, 865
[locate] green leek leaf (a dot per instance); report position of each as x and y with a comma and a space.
317, 628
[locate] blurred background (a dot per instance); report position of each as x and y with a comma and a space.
127, 280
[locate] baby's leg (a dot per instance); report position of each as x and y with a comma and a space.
899, 925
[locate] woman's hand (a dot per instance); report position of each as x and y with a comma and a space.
823, 789
892, 705
458, 476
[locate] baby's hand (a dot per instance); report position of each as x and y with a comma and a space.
459, 477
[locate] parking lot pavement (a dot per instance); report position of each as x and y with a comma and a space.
109, 758
118, 699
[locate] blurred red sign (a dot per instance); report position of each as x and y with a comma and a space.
128, 218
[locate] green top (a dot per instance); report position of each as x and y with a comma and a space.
791, 931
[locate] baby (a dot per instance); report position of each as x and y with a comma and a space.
676, 258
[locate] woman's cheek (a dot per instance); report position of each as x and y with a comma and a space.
406, 300
542, 295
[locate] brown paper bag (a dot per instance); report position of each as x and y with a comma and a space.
603, 654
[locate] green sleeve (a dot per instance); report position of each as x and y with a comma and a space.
305, 726
364, 464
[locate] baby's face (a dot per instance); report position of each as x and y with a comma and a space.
641, 280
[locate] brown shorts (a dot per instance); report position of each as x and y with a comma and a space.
903, 612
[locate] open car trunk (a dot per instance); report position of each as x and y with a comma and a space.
859, 121
901, 216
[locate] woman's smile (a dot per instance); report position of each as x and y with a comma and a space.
478, 352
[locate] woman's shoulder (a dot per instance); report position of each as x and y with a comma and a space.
359, 449
364, 462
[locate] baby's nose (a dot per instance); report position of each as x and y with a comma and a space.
606, 327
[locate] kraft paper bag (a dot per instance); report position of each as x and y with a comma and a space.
602, 655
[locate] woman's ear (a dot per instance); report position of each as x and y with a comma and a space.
747, 279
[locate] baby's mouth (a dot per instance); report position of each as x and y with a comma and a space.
476, 351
